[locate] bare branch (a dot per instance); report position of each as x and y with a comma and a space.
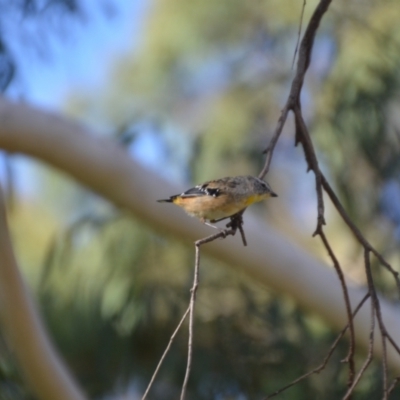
368, 360
236, 222
350, 355
393, 385
191, 318
269, 151
327, 357
377, 307
303, 137
171, 340
299, 32
297, 83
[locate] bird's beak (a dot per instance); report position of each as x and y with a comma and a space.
273, 194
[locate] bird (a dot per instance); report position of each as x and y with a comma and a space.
222, 198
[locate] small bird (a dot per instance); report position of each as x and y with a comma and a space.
221, 198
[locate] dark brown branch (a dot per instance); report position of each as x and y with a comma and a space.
303, 137
306, 49
302, 65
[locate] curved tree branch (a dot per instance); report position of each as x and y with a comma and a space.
42, 367
107, 169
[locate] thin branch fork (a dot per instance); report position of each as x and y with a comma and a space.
293, 104
171, 340
302, 65
302, 136
236, 223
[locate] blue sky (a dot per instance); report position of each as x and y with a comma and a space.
58, 52
55, 53
58, 55
62, 53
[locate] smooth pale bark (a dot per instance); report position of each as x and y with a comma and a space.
20, 320
107, 169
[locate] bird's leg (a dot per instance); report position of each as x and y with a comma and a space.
212, 226
221, 219
237, 223
209, 224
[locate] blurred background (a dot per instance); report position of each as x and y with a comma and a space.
193, 91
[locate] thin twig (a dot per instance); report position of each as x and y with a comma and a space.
393, 343
165, 353
235, 223
269, 151
299, 32
231, 228
394, 384
327, 357
369, 356
303, 62
191, 318
308, 147
302, 135
382, 328
350, 356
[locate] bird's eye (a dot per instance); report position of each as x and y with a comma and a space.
265, 186
212, 192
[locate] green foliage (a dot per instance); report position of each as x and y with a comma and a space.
11, 385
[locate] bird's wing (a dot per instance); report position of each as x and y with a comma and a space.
211, 188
